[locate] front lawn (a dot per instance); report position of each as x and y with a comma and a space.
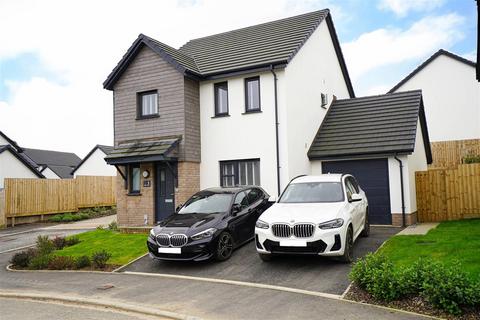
450, 241
123, 247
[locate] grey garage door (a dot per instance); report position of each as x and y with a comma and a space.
372, 175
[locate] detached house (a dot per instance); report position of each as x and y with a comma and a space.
236, 108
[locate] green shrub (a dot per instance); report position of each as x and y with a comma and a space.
44, 245
100, 227
449, 288
40, 262
471, 159
61, 263
100, 258
22, 259
67, 217
59, 243
56, 218
113, 226
70, 241
83, 262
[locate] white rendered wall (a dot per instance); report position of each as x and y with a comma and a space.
417, 161
451, 97
239, 136
314, 70
49, 174
11, 167
95, 165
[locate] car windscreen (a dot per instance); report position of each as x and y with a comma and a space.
312, 192
207, 203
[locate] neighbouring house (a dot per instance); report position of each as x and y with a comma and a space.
94, 163
451, 96
53, 164
13, 164
50, 164
382, 140
243, 108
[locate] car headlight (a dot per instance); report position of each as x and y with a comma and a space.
152, 233
261, 224
204, 234
332, 224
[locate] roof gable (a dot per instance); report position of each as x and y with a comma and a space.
427, 62
9, 148
10, 141
105, 149
264, 45
371, 126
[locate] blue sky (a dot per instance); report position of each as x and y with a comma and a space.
55, 54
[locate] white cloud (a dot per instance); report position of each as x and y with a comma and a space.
81, 41
383, 47
402, 7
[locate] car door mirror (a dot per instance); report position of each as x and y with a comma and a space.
355, 197
236, 208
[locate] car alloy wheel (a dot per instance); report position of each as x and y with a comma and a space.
347, 254
224, 246
366, 227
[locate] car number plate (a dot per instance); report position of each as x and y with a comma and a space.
170, 250
293, 243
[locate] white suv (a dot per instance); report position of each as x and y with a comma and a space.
319, 215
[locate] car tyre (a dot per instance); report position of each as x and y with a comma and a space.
224, 247
265, 257
347, 256
366, 228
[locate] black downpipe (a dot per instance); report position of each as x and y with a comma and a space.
402, 192
276, 129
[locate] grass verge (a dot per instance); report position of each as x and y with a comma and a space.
451, 241
123, 247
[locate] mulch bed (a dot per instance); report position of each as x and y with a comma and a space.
414, 304
108, 268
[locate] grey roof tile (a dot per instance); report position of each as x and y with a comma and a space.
141, 151
383, 124
270, 43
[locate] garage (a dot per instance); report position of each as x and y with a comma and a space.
372, 175
382, 140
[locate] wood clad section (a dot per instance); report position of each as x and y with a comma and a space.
448, 194
2, 208
178, 104
449, 154
28, 197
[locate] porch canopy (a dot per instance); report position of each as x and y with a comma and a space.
137, 152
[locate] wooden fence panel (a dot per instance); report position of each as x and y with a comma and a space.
449, 154
28, 197
448, 194
95, 191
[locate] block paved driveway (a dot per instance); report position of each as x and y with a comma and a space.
307, 273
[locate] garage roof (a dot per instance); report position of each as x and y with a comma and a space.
368, 126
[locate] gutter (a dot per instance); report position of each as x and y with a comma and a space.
402, 191
275, 79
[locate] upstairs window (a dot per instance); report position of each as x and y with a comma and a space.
252, 94
147, 104
221, 99
240, 173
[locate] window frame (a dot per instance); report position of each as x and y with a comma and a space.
131, 191
236, 171
216, 86
140, 115
245, 84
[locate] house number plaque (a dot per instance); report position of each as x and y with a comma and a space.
147, 183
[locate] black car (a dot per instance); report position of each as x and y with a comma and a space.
211, 224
